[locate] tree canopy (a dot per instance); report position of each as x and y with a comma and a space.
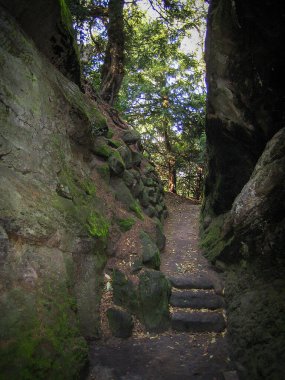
135, 54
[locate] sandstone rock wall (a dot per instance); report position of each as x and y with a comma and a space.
243, 225
76, 195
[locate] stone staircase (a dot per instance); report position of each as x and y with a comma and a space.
197, 305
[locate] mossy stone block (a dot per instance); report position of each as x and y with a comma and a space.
160, 238
137, 158
131, 137
116, 163
101, 148
124, 291
151, 255
129, 178
126, 155
154, 292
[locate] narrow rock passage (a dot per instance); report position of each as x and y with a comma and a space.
195, 347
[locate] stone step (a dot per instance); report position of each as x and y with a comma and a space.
199, 299
198, 321
190, 282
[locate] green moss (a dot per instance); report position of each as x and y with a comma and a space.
116, 163
42, 338
97, 226
102, 150
104, 171
66, 16
124, 292
115, 143
135, 207
126, 224
256, 318
88, 186
110, 134
212, 240
99, 124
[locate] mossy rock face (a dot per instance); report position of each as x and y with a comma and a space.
124, 292
116, 163
104, 171
137, 189
213, 240
53, 246
135, 207
160, 238
115, 143
150, 211
129, 178
256, 318
42, 334
122, 192
137, 158
101, 148
50, 27
126, 155
120, 322
144, 198
154, 292
150, 251
131, 137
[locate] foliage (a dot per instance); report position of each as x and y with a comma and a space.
162, 94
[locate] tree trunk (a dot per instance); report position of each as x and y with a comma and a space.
172, 176
199, 184
171, 161
113, 68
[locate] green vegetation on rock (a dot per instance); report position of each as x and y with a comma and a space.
101, 148
213, 240
124, 292
104, 172
135, 207
115, 143
116, 163
126, 224
43, 335
97, 226
150, 251
154, 292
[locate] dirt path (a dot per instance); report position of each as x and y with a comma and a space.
171, 355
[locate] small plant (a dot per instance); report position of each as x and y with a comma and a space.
126, 224
135, 207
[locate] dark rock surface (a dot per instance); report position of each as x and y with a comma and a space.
49, 25
243, 225
120, 322
191, 282
150, 251
196, 300
198, 321
154, 293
